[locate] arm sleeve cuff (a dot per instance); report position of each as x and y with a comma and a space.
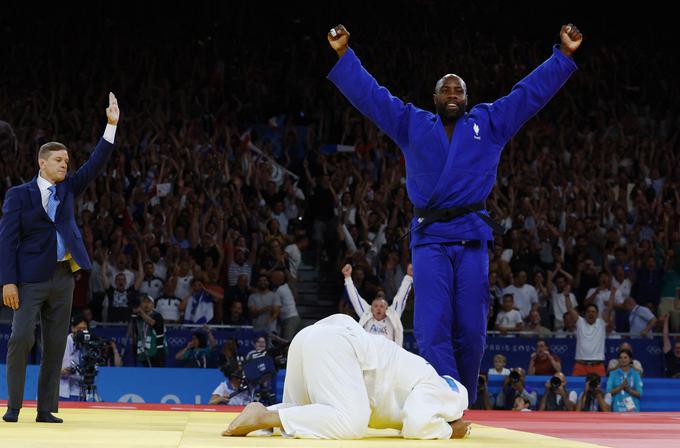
110, 133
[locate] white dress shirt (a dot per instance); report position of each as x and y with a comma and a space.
44, 184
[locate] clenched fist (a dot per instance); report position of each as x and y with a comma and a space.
338, 37
347, 271
571, 39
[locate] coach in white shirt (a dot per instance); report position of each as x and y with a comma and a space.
591, 333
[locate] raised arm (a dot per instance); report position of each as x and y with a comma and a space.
139, 278
374, 101
568, 304
359, 304
104, 272
97, 161
532, 93
399, 301
666, 338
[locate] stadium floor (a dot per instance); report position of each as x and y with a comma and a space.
148, 425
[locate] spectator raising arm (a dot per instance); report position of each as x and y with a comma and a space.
360, 305
399, 300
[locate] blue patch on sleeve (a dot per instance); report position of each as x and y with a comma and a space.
451, 383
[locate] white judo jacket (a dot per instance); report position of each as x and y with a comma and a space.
341, 380
394, 311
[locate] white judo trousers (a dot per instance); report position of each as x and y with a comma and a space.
341, 380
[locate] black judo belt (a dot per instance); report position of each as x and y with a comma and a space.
427, 216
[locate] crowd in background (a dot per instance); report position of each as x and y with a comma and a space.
218, 184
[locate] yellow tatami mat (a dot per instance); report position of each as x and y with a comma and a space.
135, 428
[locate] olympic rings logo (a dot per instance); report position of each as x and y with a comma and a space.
559, 349
176, 341
653, 349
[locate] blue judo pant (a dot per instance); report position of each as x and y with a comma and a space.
451, 283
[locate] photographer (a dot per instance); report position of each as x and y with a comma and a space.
148, 328
593, 399
543, 361
483, 398
556, 397
513, 386
69, 383
225, 393
96, 352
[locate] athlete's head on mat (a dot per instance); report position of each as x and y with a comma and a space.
450, 97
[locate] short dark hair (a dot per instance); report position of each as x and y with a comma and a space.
200, 336
594, 306
77, 318
49, 147
627, 352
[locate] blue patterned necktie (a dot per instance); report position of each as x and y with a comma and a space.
52, 204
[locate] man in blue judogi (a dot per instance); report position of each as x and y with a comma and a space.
451, 163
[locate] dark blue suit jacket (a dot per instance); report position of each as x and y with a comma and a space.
28, 239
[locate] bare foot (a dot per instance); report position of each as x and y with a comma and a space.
249, 420
461, 429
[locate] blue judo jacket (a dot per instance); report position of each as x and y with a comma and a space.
442, 174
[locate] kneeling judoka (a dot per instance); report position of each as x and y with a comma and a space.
341, 380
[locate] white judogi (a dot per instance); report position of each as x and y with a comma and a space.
391, 326
341, 380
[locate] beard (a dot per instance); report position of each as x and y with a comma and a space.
450, 114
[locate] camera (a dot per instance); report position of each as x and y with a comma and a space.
259, 371
256, 376
93, 353
594, 383
555, 383
515, 376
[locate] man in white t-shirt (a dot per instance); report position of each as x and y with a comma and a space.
294, 252
591, 333
524, 295
167, 304
288, 315
604, 293
508, 319
559, 297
